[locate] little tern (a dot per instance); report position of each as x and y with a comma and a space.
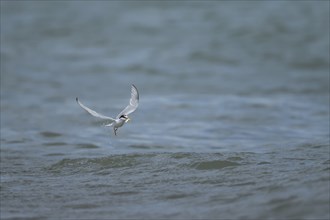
122, 117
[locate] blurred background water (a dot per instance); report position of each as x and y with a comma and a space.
233, 119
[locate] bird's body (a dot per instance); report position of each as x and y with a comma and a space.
122, 117
117, 123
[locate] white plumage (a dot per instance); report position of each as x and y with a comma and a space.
122, 117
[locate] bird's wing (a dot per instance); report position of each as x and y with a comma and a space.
133, 102
94, 113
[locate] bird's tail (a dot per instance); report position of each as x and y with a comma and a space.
109, 125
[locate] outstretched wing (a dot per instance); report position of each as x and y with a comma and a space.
133, 102
94, 113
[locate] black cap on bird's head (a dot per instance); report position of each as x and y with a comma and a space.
124, 117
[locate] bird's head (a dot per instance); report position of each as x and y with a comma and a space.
124, 118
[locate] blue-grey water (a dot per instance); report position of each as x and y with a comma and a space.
233, 121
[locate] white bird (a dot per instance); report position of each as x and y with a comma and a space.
122, 117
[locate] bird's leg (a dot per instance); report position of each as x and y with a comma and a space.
115, 130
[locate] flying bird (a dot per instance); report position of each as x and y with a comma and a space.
122, 117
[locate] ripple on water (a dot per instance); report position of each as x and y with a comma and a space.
153, 162
50, 134
215, 164
83, 165
87, 146
56, 143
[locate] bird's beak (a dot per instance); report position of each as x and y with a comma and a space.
128, 119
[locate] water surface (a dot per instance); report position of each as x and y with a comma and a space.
233, 119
